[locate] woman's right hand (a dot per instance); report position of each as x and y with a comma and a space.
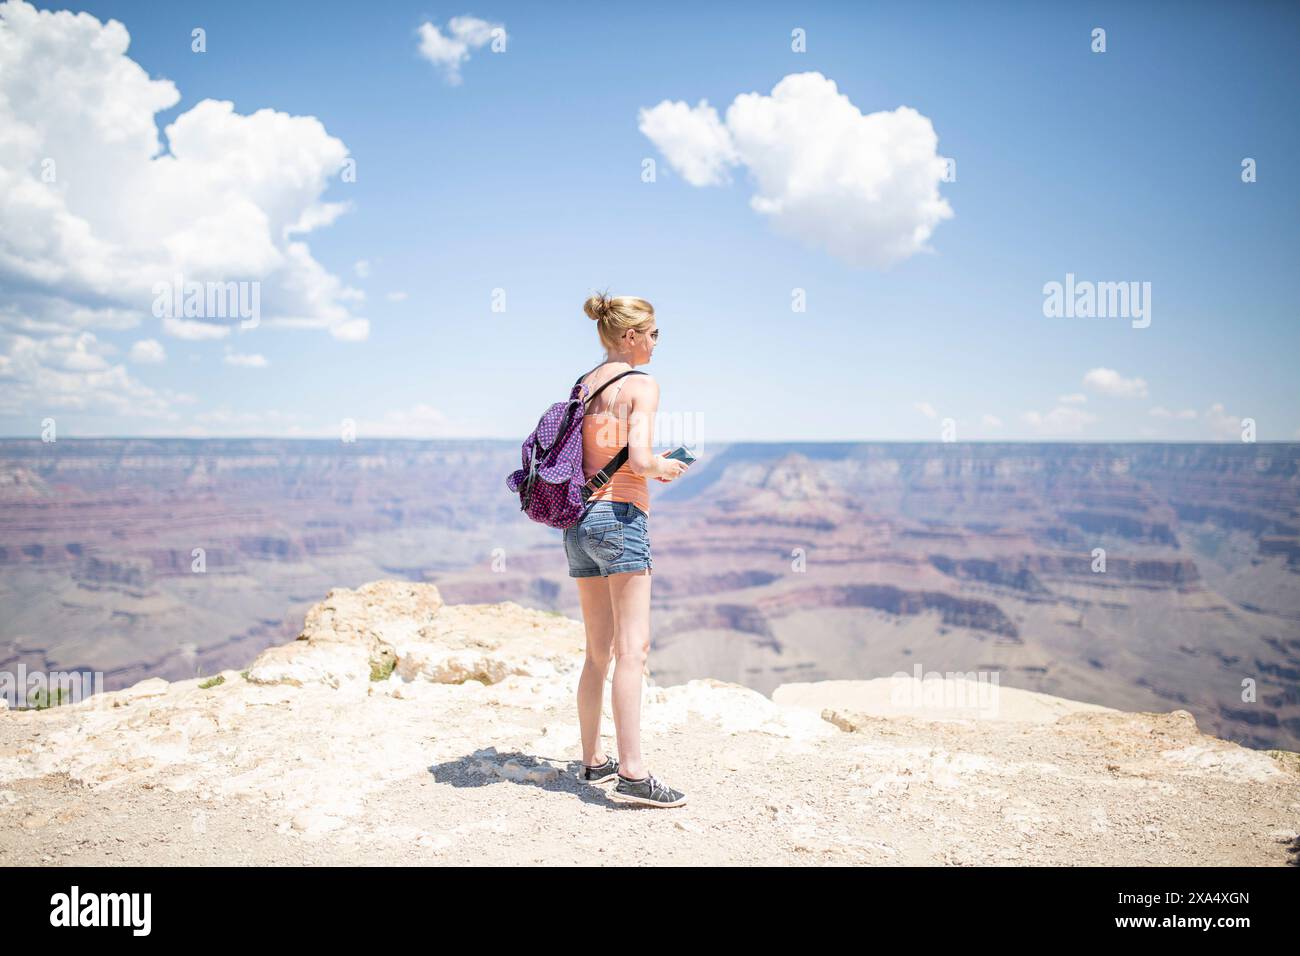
670, 468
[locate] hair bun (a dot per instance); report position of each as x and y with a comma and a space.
597, 307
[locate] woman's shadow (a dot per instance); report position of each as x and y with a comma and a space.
489, 766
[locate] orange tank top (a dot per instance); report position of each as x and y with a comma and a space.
603, 435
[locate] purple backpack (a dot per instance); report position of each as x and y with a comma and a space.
552, 487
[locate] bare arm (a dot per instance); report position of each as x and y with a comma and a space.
644, 399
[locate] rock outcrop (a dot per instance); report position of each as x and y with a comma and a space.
399, 729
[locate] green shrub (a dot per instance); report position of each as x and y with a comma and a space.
42, 699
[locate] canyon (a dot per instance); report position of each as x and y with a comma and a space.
1133, 576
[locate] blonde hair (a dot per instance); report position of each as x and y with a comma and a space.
614, 316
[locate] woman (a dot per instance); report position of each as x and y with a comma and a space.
609, 548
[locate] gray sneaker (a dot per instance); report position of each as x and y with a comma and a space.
647, 790
601, 774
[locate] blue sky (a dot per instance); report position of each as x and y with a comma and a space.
1115, 166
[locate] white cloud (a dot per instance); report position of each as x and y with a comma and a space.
193, 331
246, 360
71, 373
362, 268
396, 297
73, 353
355, 330
148, 352
415, 421
1222, 426
1107, 381
863, 187
96, 211
40, 314
418, 421
926, 409
1075, 398
1061, 420
271, 422
325, 301
693, 140
992, 421
448, 51
1161, 412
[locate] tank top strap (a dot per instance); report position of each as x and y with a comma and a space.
611, 397
614, 395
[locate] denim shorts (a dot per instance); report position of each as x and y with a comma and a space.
612, 537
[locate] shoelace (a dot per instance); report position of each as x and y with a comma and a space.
654, 785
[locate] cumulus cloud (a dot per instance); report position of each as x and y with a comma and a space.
223, 420
1107, 381
73, 353
864, 187
450, 50
1074, 398
40, 377
1061, 420
991, 421
1161, 412
396, 297
98, 209
1221, 425
417, 421
148, 352
693, 140
246, 360
362, 268
193, 331
41, 314
354, 330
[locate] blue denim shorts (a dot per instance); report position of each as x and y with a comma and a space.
612, 537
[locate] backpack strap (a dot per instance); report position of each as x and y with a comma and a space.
587, 401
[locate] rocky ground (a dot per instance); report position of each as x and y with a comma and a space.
399, 730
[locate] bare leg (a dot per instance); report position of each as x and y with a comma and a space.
630, 597
598, 618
